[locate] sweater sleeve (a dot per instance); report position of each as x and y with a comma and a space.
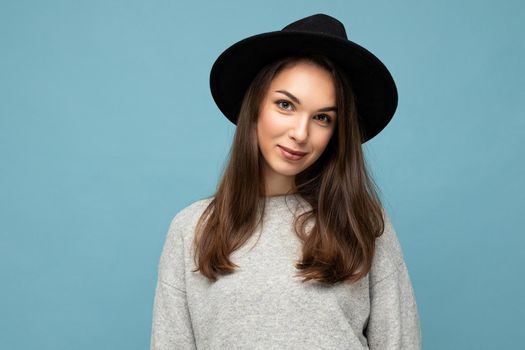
171, 325
394, 320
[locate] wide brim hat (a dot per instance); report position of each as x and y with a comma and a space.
372, 83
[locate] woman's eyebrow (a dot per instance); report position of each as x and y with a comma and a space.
296, 100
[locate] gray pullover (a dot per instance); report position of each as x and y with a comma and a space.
264, 306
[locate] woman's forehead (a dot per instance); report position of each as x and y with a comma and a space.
307, 80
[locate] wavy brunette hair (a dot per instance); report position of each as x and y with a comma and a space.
346, 209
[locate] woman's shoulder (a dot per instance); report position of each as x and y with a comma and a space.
186, 218
388, 256
193, 208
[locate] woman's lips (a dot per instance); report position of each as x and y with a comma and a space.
289, 150
291, 156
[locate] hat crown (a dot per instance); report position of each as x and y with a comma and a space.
318, 24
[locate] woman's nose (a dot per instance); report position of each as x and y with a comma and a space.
299, 130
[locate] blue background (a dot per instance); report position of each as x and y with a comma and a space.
108, 129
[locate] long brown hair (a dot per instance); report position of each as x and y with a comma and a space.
345, 205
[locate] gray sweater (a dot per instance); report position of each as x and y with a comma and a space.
264, 306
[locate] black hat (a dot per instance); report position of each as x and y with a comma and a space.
374, 88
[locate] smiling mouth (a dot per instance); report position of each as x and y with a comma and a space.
290, 156
291, 151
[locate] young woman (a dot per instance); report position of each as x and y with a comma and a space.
294, 250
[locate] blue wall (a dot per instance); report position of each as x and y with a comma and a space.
108, 129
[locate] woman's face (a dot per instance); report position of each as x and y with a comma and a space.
297, 113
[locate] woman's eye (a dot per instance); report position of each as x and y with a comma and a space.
284, 104
327, 118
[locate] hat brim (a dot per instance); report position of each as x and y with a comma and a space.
373, 85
